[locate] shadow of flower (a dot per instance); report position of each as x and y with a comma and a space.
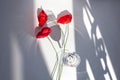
56, 33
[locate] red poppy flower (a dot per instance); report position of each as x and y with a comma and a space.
64, 17
44, 32
42, 18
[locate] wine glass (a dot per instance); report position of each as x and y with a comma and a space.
71, 59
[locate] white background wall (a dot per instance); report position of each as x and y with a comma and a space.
18, 46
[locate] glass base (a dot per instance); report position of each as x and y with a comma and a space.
71, 59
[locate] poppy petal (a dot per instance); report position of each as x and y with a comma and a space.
44, 32
42, 18
64, 17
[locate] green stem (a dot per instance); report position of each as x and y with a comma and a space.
61, 69
66, 37
56, 63
65, 42
53, 48
54, 69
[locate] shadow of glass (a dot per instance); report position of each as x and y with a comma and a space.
89, 48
